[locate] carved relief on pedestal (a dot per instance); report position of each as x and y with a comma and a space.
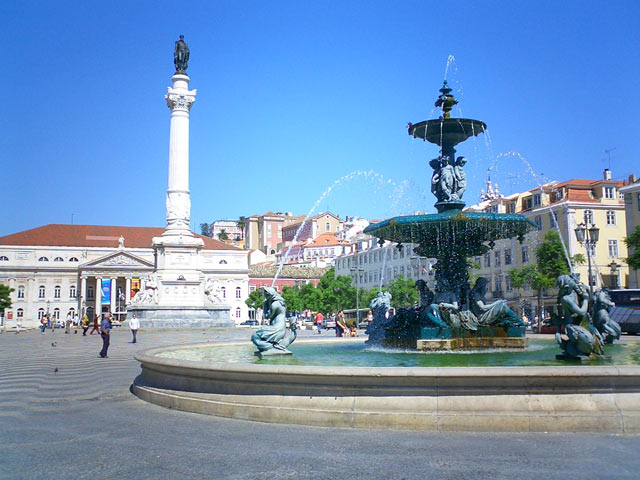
178, 210
150, 292
213, 290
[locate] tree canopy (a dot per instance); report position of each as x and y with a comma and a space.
633, 241
5, 297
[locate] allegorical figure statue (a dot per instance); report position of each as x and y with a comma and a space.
277, 335
380, 306
494, 313
181, 55
460, 178
609, 329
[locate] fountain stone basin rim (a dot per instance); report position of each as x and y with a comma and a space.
516, 399
447, 131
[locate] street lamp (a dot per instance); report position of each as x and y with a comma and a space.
588, 234
614, 267
356, 271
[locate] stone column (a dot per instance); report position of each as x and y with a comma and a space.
82, 297
112, 300
127, 291
178, 202
98, 310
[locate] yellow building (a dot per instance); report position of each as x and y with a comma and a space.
561, 207
632, 211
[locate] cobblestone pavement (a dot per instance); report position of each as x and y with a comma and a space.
67, 414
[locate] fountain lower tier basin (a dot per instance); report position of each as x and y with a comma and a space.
458, 231
434, 339
447, 131
600, 397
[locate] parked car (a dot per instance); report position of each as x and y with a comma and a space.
329, 323
251, 323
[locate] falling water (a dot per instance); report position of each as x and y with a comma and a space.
539, 180
349, 176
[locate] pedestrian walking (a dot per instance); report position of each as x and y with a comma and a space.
134, 325
105, 333
67, 323
85, 324
95, 325
43, 324
75, 323
18, 324
319, 320
341, 326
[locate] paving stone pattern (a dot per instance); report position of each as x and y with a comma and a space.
81, 422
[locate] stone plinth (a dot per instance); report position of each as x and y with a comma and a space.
158, 316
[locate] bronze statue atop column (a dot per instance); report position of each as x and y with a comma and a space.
181, 56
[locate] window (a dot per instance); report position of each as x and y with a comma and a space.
498, 284
611, 217
58, 259
360, 259
238, 312
395, 253
511, 208
638, 201
537, 199
497, 258
526, 204
402, 271
238, 292
588, 216
507, 256
370, 277
43, 259
56, 291
613, 248
252, 288
41, 291
21, 291
20, 313
4, 259
365, 258
609, 192
507, 283
90, 292
487, 259
73, 259
40, 313
525, 254
224, 292
56, 313
552, 220
327, 227
395, 272
494, 208
538, 221
72, 291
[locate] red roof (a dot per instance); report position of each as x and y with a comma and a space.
56, 235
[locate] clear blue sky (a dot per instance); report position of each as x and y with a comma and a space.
295, 94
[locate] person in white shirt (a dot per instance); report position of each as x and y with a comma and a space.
134, 325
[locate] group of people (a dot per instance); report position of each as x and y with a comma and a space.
342, 330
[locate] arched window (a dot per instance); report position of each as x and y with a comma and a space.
73, 259
58, 259
238, 292
20, 313
4, 259
72, 291
40, 313
327, 227
90, 292
43, 259
72, 311
21, 291
238, 312
56, 313
224, 292
41, 291
90, 312
56, 291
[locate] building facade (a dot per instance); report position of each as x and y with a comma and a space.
632, 213
62, 269
264, 232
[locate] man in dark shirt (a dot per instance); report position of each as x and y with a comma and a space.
105, 333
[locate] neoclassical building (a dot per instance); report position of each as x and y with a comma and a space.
93, 268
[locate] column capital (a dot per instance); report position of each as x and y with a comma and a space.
179, 99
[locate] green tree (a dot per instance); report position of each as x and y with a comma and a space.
578, 259
5, 297
292, 299
403, 292
336, 293
255, 300
633, 241
242, 223
205, 229
309, 297
223, 236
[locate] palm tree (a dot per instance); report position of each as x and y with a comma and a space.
223, 235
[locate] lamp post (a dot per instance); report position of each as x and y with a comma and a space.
356, 271
588, 233
615, 267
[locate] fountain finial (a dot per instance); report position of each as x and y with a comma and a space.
446, 101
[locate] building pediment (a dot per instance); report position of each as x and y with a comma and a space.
118, 260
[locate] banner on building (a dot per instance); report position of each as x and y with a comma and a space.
135, 286
106, 292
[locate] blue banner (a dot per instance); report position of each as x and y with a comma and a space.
106, 292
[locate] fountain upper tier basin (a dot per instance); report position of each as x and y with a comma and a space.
447, 131
465, 230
